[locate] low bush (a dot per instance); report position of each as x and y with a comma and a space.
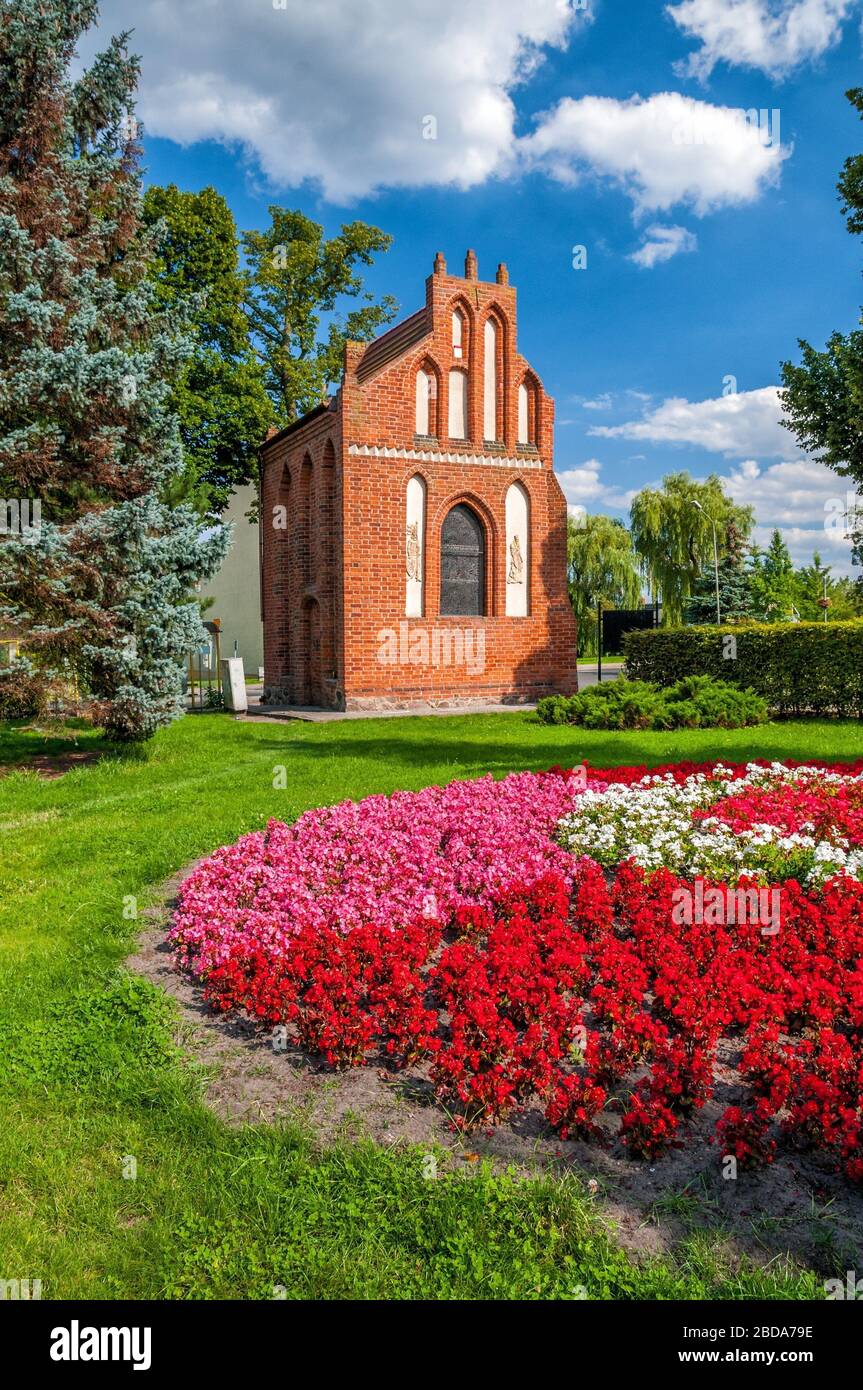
798, 668
23, 693
696, 702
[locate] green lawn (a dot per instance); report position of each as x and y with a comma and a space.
88, 1075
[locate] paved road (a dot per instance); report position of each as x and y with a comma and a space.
587, 674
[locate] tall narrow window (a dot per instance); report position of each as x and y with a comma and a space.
489, 413
517, 558
523, 415
423, 414
457, 334
462, 563
458, 405
415, 546
326, 577
305, 519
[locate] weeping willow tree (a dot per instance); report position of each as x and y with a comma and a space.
673, 536
602, 568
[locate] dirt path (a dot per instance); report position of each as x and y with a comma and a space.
53, 765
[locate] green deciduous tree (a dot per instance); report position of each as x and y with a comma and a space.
673, 536
813, 583
602, 568
87, 359
296, 284
220, 398
822, 397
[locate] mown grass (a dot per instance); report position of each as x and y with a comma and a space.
89, 1079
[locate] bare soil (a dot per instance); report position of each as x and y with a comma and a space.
51, 766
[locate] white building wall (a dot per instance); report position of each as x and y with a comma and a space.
236, 587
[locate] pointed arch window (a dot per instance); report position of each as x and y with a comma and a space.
462, 563
306, 518
523, 415
415, 509
491, 351
425, 420
457, 404
517, 558
528, 424
458, 334
423, 402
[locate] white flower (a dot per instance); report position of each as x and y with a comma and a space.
652, 822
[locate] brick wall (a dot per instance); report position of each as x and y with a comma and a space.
335, 591
301, 547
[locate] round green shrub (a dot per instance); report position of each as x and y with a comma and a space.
694, 702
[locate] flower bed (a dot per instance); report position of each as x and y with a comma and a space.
386, 860
775, 822
466, 930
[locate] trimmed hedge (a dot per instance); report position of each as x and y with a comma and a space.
798, 668
696, 702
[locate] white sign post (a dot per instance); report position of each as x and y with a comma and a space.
234, 684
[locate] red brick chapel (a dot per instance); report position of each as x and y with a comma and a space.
413, 533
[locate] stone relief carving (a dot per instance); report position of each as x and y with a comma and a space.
413, 552
516, 562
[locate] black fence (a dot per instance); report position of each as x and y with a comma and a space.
617, 621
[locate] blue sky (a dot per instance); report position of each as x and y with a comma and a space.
615, 126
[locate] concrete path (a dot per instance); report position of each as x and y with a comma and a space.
277, 714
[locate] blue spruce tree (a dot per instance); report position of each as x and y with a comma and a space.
103, 587
735, 594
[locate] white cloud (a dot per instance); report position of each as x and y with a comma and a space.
662, 150
602, 402
794, 493
742, 425
583, 487
661, 243
804, 499
342, 95
803, 541
765, 35
336, 92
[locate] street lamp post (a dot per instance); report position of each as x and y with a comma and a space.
715, 559
598, 641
